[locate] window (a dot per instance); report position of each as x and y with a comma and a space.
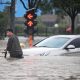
55, 42
76, 43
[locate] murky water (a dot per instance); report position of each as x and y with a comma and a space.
40, 68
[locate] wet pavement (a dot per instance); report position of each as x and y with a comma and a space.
39, 67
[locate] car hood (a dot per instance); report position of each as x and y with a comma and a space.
38, 51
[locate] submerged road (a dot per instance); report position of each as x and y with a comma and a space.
40, 68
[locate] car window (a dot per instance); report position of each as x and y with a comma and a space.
55, 42
76, 43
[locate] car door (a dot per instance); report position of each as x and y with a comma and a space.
76, 50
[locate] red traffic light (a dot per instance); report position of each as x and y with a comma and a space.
29, 23
30, 17
30, 14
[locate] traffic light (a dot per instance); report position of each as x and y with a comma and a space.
30, 17
30, 23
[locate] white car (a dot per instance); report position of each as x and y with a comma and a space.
55, 45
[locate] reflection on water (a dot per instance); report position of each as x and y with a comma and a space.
41, 68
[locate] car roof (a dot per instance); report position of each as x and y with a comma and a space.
67, 36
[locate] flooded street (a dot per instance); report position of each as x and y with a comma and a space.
40, 68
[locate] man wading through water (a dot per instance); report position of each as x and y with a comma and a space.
13, 45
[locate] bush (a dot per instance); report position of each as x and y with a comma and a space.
19, 30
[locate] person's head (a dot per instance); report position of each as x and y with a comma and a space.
9, 32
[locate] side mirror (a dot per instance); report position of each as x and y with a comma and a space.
70, 47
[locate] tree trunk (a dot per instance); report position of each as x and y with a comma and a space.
72, 25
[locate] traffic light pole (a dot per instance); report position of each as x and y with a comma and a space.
30, 22
30, 18
30, 40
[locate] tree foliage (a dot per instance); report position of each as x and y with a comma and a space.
71, 7
4, 21
45, 6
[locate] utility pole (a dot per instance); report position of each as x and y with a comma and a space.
12, 15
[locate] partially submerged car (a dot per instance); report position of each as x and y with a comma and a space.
55, 45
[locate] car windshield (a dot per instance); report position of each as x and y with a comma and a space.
53, 42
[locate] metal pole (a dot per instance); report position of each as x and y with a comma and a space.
12, 15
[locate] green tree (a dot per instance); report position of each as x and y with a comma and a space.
71, 7
10, 4
45, 6
3, 23
4, 20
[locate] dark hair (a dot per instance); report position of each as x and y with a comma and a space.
10, 30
